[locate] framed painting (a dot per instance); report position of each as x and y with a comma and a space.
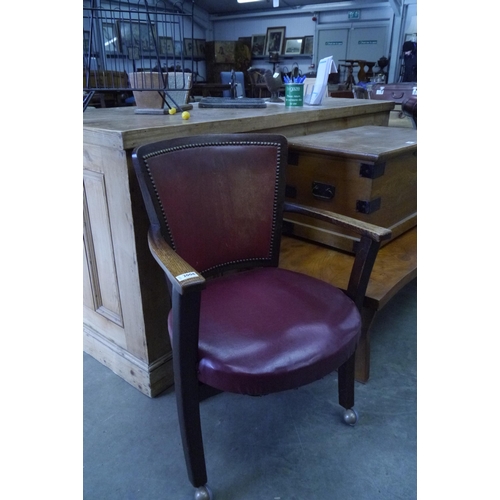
293, 46
165, 46
224, 52
178, 48
200, 48
110, 38
189, 47
258, 45
274, 40
247, 40
307, 45
137, 37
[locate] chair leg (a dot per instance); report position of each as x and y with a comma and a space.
346, 374
186, 318
188, 411
346, 382
363, 350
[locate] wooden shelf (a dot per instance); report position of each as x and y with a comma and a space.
283, 56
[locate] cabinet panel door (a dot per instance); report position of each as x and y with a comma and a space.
363, 43
368, 44
100, 267
332, 42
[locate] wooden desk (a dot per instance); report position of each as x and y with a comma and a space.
125, 295
396, 266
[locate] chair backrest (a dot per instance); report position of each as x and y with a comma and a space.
217, 198
256, 76
225, 77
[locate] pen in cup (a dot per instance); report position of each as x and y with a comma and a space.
296, 79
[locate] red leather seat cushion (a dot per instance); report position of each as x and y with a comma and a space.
269, 330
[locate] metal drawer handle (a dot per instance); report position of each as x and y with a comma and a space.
323, 191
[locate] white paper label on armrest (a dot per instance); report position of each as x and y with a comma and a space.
380, 91
186, 276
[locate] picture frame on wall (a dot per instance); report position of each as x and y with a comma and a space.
307, 45
177, 48
247, 40
200, 48
258, 45
189, 47
224, 52
293, 46
170, 47
137, 36
165, 46
275, 38
110, 38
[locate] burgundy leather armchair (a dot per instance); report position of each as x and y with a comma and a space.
238, 322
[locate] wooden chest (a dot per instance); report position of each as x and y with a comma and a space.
368, 173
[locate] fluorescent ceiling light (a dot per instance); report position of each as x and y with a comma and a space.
248, 1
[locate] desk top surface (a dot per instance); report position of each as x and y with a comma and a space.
121, 128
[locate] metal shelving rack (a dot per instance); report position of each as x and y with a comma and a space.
123, 38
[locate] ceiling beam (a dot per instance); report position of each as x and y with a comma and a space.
312, 8
396, 7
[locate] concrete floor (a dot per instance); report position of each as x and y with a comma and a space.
286, 446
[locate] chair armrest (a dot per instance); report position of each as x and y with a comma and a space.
366, 253
181, 275
187, 284
376, 233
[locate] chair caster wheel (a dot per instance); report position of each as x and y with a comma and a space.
351, 416
203, 493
